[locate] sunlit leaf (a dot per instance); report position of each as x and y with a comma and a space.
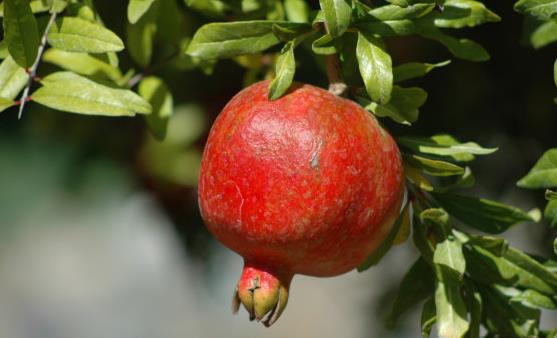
5, 103
412, 70
393, 12
229, 39
141, 36
155, 91
540, 9
462, 13
82, 63
297, 10
543, 174
285, 69
375, 67
429, 317
72, 93
337, 15
78, 35
137, 8
445, 145
12, 78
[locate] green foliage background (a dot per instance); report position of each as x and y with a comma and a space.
158, 58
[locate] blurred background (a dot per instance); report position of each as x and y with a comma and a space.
100, 234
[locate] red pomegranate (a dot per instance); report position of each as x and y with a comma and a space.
307, 184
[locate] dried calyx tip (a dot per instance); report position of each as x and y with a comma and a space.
263, 293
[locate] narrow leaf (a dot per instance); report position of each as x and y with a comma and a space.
417, 285
543, 174
157, 94
393, 12
434, 167
483, 214
5, 103
550, 213
540, 9
464, 13
72, 93
12, 78
141, 36
475, 307
285, 69
136, 9
229, 39
82, 63
403, 105
78, 35
337, 15
375, 67
429, 317
445, 145
451, 311
413, 70
20, 32
544, 34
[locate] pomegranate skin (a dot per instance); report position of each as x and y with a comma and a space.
306, 184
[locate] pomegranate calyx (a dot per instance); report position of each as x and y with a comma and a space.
263, 293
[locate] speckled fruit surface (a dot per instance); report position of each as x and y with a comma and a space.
306, 184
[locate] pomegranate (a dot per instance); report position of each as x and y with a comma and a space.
307, 184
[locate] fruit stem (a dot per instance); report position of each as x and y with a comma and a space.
334, 72
263, 292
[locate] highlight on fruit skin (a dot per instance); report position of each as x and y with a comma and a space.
307, 184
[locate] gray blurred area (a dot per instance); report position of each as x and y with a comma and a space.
98, 258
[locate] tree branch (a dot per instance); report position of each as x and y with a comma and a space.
33, 70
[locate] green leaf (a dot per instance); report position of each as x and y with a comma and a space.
78, 35
550, 213
20, 32
72, 93
385, 245
429, 317
466, 180
506, 318
169, 22
157, 94
448, 251
483, 214
327, 45
3, 50
5, 104
393, 12
82, 63
57, 6
297, 10
421, 241
445, 145
543, 174
141, 36
544, 34
337, 15
533, 298
555, 246
137, 8
550, 195
375, 67
229, 39
287, 33
403, 106
496, 245
12, 78
513, 268
462, 48
462, 13
451, 310
416, 285
474, 305
37, 6
413, 70
434, 167
540, 9
555, 72
285, 69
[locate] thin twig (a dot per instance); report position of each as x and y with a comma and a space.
33, 70
337, 85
